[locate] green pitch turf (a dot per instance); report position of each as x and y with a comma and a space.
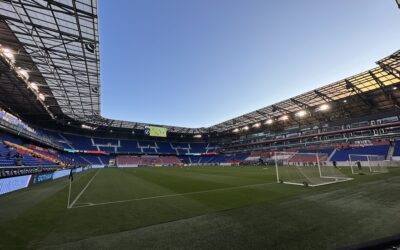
198, 208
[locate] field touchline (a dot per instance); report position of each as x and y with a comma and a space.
83, 190
172, 195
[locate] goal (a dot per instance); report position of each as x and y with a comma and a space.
307, 169
367, 164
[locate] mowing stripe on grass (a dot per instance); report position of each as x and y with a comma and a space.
89, 204
83, 190
69, 193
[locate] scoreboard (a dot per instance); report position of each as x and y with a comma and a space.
155, 131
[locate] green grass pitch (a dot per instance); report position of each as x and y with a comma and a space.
198, 208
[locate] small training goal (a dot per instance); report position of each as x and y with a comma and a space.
308, 169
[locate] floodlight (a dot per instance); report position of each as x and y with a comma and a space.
8, 53
301, 113
24, 73
34, 86
235, 130
269, 121
345, 101
257, 125
323, 107
41, 97
394, 88
284, 118
197, 136
88, 127
246, 128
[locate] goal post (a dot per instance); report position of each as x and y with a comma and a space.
367, 164
306, 169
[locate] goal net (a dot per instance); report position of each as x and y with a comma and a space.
308, 169
367, 164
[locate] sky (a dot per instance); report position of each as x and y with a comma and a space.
196, 63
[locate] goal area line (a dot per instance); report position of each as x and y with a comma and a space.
70, 205
337, 180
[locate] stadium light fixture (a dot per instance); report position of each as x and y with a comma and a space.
197, 136
301, 113
394, 88
269, 121
245, 128
23, 73
284, 118
87, 127
7, 53
323, 107
235, 130
33, 86
41, 97
257, 125
345, 101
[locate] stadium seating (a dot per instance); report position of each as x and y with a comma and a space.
396, 151
327, 151
148, 160
165, 147
198, 147
128, 160
343, 154
128, 146
77, 142
214, 159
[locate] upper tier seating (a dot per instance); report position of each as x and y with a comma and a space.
103, 141
57, 137
198, 147
80, 142
128, 146
165, 147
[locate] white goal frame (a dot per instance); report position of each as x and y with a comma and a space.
372, 169
333, 179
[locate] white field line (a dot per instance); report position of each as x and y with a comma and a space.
70, 187
172, 195
83, 190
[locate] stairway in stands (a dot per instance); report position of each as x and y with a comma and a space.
390, 152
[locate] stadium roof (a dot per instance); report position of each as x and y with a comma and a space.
57, 42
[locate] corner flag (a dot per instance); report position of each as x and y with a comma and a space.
71, 175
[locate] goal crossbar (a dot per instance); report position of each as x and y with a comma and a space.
367, 164
308, 169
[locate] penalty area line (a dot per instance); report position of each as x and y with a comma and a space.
83, 190
171, 195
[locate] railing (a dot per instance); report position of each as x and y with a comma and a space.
16, 130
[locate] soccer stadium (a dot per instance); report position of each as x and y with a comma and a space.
319, 170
